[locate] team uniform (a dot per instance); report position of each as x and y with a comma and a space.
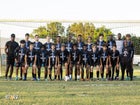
31, 60
94, 61
63, 57
127, 56
89, 47
75, 58
44, 60
69, 46
100, 44
84, 62
52, 61
48, 46
80, 46
27, 44
110, 44
104, 62
114, 59
20, 60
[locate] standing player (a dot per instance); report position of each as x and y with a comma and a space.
27, 42
63, 58
100, 42
20, 61
30, 60
110, 43
37, 47
127, 56
79, 43
84, 62
89, 44
75, 61
119, 44
114, 62
48, 43
129, 44
43, 59
52, 62
94, 61
104, 61
10, 47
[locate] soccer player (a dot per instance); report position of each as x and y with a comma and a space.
94, 61
127, 56
44, 59
114, 62
75, 61
69, 44
48, 43
10, 47
100, 42
20, 61
79, 43
84, 62
52, 62
89, 44
27, 42
37, 47
129, 44
63, 57
119, 44
111, 42
104, 61
30, 60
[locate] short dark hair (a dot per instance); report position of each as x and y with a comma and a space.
13, 35
36, 35
27, 34
128, 35
101, 34
22, 41
31, 43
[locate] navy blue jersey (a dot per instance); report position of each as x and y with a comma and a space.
63, 56
104, 56
111, 43
84, 57
89, 47
11, 46
48, 46
37, 46
20, 54
27, 44
53, 56
31, 55
69, 46
43, 56
80, 45
127, 53
94, 57
100, 44
58, 47
75, 56
130, 44
114, 55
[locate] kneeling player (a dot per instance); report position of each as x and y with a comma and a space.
20, 62
63, 57
114, 62
104, 61
30, 60
43, 59
94, 61
52, 62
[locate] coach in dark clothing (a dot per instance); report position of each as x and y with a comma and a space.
10, 47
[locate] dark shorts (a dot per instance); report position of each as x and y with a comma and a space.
10, 61
20, 64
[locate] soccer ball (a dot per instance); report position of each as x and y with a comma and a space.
66, 78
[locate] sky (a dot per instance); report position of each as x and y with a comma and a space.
83, 10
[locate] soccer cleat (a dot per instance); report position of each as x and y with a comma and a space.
16, 78
38, 79
46, 80
20, 78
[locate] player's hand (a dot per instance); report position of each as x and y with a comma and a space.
110, 65
26, 65
34, 65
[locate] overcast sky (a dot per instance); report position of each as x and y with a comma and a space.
69, 10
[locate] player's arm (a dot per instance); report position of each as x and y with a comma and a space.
5, 49
35, 59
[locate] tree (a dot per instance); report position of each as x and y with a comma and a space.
55, 28
41, 31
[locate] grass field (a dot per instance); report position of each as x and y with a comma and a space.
71, 92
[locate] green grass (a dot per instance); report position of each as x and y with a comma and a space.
71, 92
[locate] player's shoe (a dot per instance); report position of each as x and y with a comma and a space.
16, 78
